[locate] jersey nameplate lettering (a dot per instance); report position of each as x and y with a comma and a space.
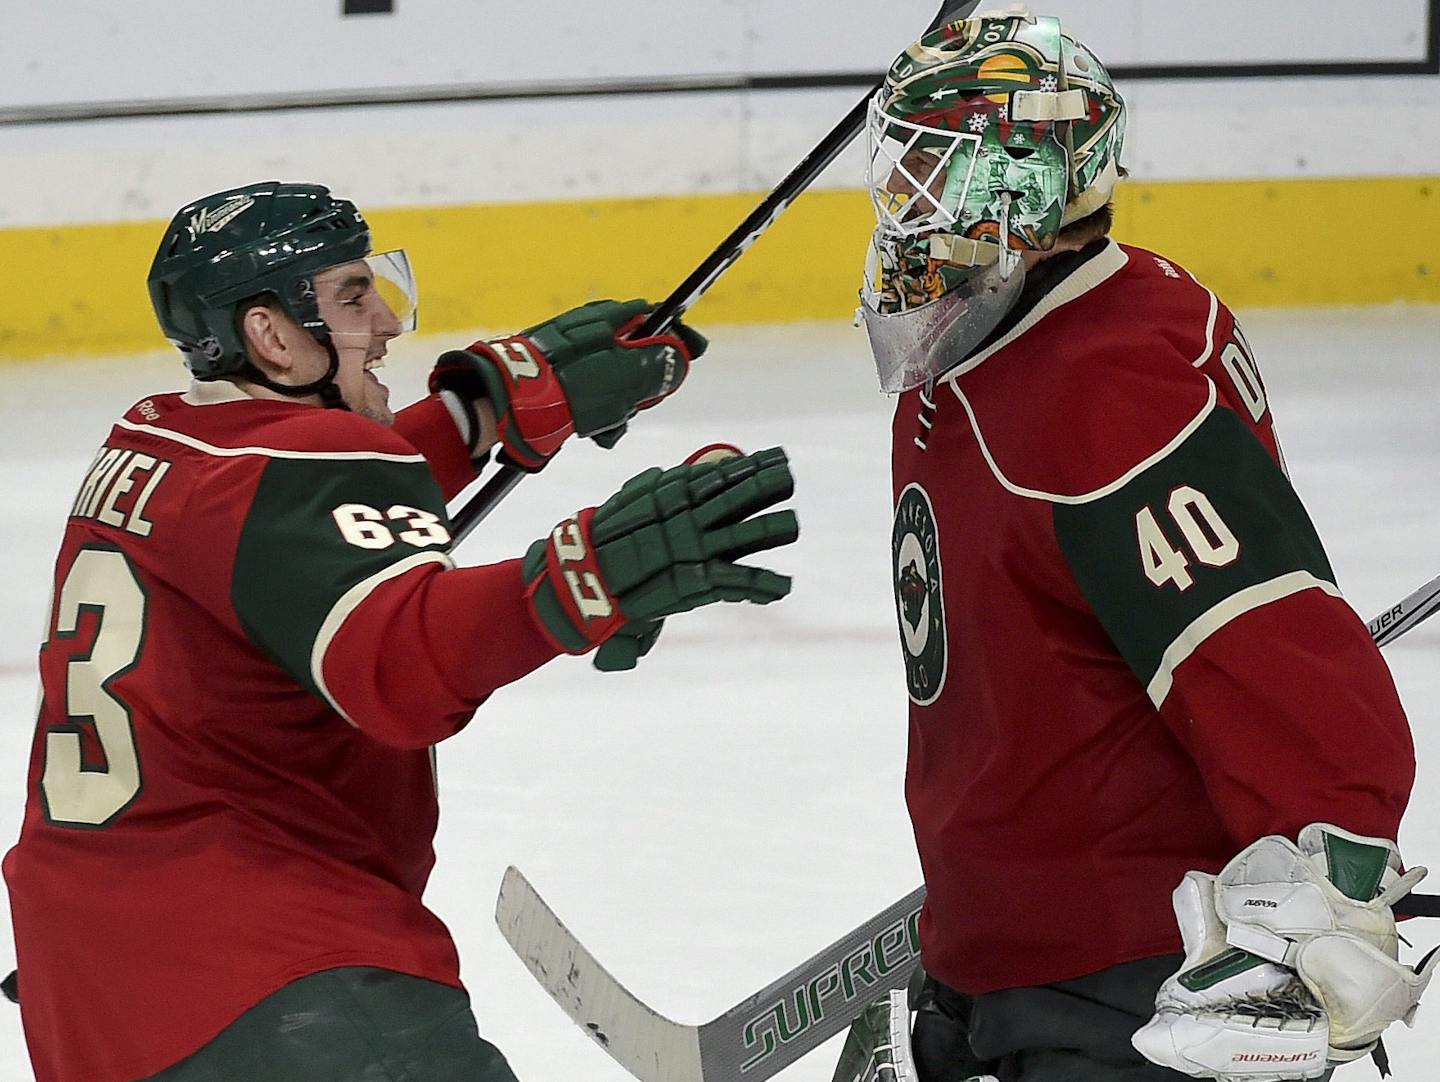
118, 487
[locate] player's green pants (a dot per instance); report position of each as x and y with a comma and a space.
1072, 1031
350, 1025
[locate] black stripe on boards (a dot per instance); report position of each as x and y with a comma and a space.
430, 95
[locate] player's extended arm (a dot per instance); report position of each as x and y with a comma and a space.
343, 577
455, 437
578, 373
412, 662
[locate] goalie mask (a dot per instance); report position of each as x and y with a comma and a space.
268, 239
988, 136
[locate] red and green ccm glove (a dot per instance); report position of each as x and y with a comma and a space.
577, 373
667, 542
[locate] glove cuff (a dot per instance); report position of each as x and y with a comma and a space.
531, 412
567, 594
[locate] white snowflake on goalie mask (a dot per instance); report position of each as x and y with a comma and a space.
1004, 113
1049, 84
979, 122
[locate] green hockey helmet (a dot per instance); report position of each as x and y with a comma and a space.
987, 137
269, 238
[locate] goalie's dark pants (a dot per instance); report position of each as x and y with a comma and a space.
1072, 1031
354, 1024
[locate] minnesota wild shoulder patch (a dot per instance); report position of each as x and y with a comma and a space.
919, 594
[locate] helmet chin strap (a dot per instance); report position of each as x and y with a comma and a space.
325, 386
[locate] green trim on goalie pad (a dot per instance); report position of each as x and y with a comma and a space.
1214, 517
350, 1023
1222, 967
316, 529
1354, 867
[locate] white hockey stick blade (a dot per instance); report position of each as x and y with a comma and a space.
1401, 617
760, 1035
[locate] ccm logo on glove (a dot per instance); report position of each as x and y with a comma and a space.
567, 544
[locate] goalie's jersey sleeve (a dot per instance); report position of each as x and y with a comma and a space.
1126, 652
256, 633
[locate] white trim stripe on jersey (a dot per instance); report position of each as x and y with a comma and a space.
1212, 620
266, 452
1085, 497
348, 603
1209, 324
1104, 265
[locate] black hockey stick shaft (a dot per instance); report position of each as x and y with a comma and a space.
716, 263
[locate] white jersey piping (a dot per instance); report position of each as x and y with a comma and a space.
348, 603
1212, 620
1108, 262
266, 452
1085, 497
1209, 322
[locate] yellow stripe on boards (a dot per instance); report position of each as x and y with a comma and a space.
81, 289
1282, 243
77, 289
508, 265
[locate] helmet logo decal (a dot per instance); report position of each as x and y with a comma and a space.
210, 346
212, 219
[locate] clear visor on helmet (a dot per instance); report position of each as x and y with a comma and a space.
395, 283
373, 296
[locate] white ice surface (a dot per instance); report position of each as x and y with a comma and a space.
712, 819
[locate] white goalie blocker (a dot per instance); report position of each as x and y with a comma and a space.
1291, 961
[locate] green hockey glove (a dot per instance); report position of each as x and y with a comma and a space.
624, 649
667, 542
578, 373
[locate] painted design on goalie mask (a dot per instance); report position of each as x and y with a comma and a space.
919, 594
982, 120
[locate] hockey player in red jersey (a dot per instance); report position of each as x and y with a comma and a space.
258, 633
1131, 672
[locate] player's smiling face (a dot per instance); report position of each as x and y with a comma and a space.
361, 325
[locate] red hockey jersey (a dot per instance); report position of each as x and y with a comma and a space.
256, 634
1125, 649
